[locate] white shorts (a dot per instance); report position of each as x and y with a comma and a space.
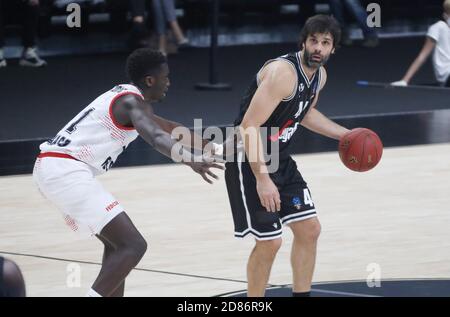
69, 184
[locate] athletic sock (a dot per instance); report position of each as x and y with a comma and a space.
301, 294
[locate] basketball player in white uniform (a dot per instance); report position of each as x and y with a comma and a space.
88, 145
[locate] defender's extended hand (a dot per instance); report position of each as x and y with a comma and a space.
203, 168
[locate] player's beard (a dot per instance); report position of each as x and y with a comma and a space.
307, 59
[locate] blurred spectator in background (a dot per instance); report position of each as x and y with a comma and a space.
164, 12
28, 11
357, 11
118, 11
307, 9
139, 33
11, 279
437, 39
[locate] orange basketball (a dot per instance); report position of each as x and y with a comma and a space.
360, 149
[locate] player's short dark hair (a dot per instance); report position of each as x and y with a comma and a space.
321, 23
143, 62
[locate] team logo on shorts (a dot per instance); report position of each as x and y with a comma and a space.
297, 202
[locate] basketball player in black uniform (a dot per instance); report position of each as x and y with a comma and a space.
283, 94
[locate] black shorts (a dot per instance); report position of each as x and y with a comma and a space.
250, 216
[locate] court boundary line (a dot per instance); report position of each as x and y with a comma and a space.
270, 286
135, 269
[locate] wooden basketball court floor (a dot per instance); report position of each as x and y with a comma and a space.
396, 216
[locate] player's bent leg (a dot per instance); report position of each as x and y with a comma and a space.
130, 247
259, 265
303, 254
109, 249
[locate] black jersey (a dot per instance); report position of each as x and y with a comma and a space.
291, 110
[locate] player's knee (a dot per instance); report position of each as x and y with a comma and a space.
138, 248
134, 248
317, 230
312, 231
270, 246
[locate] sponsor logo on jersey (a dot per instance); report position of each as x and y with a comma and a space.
107, 164
59, 141
112, 205
288, 133
118, 89
285, 133
301, 87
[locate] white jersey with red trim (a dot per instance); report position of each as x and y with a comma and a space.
94, 136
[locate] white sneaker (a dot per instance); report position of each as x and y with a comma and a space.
400, 83
184, 43
30, 58
2, 59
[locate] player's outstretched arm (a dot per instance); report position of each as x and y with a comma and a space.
130, 109
182, 134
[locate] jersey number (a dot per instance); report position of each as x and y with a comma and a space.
73, 127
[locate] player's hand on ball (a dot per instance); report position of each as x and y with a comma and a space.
360, 149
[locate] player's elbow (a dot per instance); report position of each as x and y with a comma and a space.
248, 123
308, 119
